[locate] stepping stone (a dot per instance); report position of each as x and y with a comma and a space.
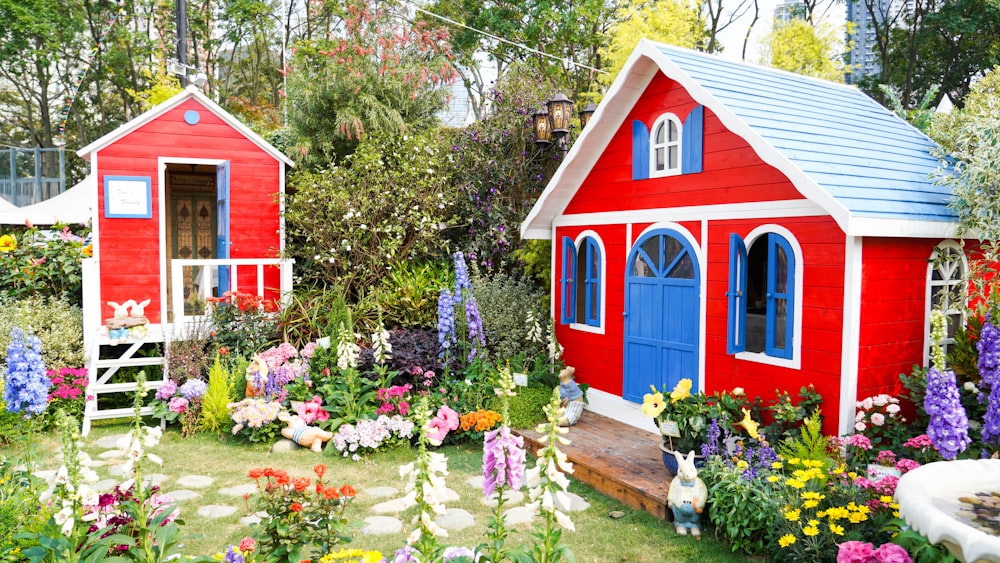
95, 463
450, 495
118, 470
114, 441
195, 481
284, 446
509, 498
381, 492
475, 482
518, 515
110, 454
216, 510
252, 519
395, 506
381, 525
156, 479
182, 494
105, 485
455, 519
239, 490
575, 503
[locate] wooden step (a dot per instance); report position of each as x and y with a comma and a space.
617, 459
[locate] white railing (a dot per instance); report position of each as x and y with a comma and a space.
206, 276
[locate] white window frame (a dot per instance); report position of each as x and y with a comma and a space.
949, 281
602, 306
663, 121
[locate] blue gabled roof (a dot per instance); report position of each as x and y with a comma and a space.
870, 161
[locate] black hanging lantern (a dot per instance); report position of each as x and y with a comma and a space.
560, 113
543, 129
586, 113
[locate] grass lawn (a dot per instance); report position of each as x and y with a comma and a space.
634, 537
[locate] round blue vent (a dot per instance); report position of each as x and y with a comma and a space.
192, 117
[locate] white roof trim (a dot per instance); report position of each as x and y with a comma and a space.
638, 71
916, 228
177, 99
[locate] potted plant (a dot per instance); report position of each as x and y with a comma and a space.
682, 419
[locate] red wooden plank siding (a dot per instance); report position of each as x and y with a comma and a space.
129, 250
733, 173
822, 298
894, 286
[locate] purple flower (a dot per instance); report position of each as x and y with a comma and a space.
475, 323
949, 425
989, 353
503, 460
233, 556
461, 278
991, 420
406, 554
446, 321
166, 390
27, 387
193, 389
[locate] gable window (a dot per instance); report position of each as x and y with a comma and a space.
665, 146
581, 284
946, 291
762, 287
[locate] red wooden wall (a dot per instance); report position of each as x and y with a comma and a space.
129, 249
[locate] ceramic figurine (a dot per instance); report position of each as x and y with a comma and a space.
686, 497
121, 311
571, 395
139, 309
302, 434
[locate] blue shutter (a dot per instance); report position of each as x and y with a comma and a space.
567, 287
593, 281
737, 320
640, 151
222, 221
777, 297
693, 141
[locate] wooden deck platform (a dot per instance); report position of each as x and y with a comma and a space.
618, 460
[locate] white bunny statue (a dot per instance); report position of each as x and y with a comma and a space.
686, 497
139, 309
121, 311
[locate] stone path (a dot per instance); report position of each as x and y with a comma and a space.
384, 518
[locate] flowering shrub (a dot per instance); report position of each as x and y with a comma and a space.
395, 399
34, 262
26, 387
255, 419
300, 513
880, 420
860, 552
68, 392
357, 440
273, 369
56, 322
244, 323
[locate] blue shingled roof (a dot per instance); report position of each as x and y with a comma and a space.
866, 158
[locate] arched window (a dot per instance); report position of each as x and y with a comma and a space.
665, 146
946, 291
581, 286
762, 288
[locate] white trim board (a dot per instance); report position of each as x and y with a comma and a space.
850, 334
613, 406
755, 210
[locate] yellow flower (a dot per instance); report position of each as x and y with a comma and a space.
812, 522
88, 250
793, 461
776, 465
681, 391
810, 504
652, 404
742, 465
857, 517
7, 243
852, 475
837, 529
810, 531
792, 515
812, 495
786, 540
796, 483
886, 499
773, 478
371, 557
750, 425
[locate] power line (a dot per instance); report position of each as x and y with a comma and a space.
509, 42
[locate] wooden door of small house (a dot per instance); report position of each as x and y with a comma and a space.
662, 308
193, 229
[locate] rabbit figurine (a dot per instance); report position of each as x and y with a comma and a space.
121, 311
139, 309
686, 497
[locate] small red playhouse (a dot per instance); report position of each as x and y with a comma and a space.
744, 227
187, 205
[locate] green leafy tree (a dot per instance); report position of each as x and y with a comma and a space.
380, 76
802, 48
677, 22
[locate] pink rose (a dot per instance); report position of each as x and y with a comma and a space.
860, 426
891, 553
247, 545
855, 552
878, 419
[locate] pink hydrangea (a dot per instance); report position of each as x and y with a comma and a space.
886, 457
178, 405
906, 465
919, 442
855, 552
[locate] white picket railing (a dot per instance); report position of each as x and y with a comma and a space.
208, 271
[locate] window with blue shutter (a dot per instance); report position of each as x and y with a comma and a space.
640, 151
669, 147
567, 291
692, 141
590, 268
761, 296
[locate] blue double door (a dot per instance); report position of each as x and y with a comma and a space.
662, 314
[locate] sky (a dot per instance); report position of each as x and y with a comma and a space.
732, 37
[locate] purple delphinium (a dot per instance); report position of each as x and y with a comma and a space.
166, 390
27, 386
989, 353
712, 434
475, 323
193, 389
991, 420
503, 460
446, 321
461, 278
949, 425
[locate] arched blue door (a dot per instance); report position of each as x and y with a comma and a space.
662, 310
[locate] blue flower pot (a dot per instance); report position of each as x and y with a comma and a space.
670, 462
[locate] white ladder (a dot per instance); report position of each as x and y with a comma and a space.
100, 371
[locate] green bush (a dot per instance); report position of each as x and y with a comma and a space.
409, 293
34, 262
504, 303
313, 313
20, 511
56, 322
742, 510
526, 406
214, 412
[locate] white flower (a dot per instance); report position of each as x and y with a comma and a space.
860, 426
867, 403
64, 518
880, 400
878, 419
892, 409
564, 521
738, 391
155, 459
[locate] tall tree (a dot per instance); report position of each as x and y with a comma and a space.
720, 14
802, 48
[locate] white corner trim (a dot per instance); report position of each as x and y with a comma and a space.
850, 336
617, 408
